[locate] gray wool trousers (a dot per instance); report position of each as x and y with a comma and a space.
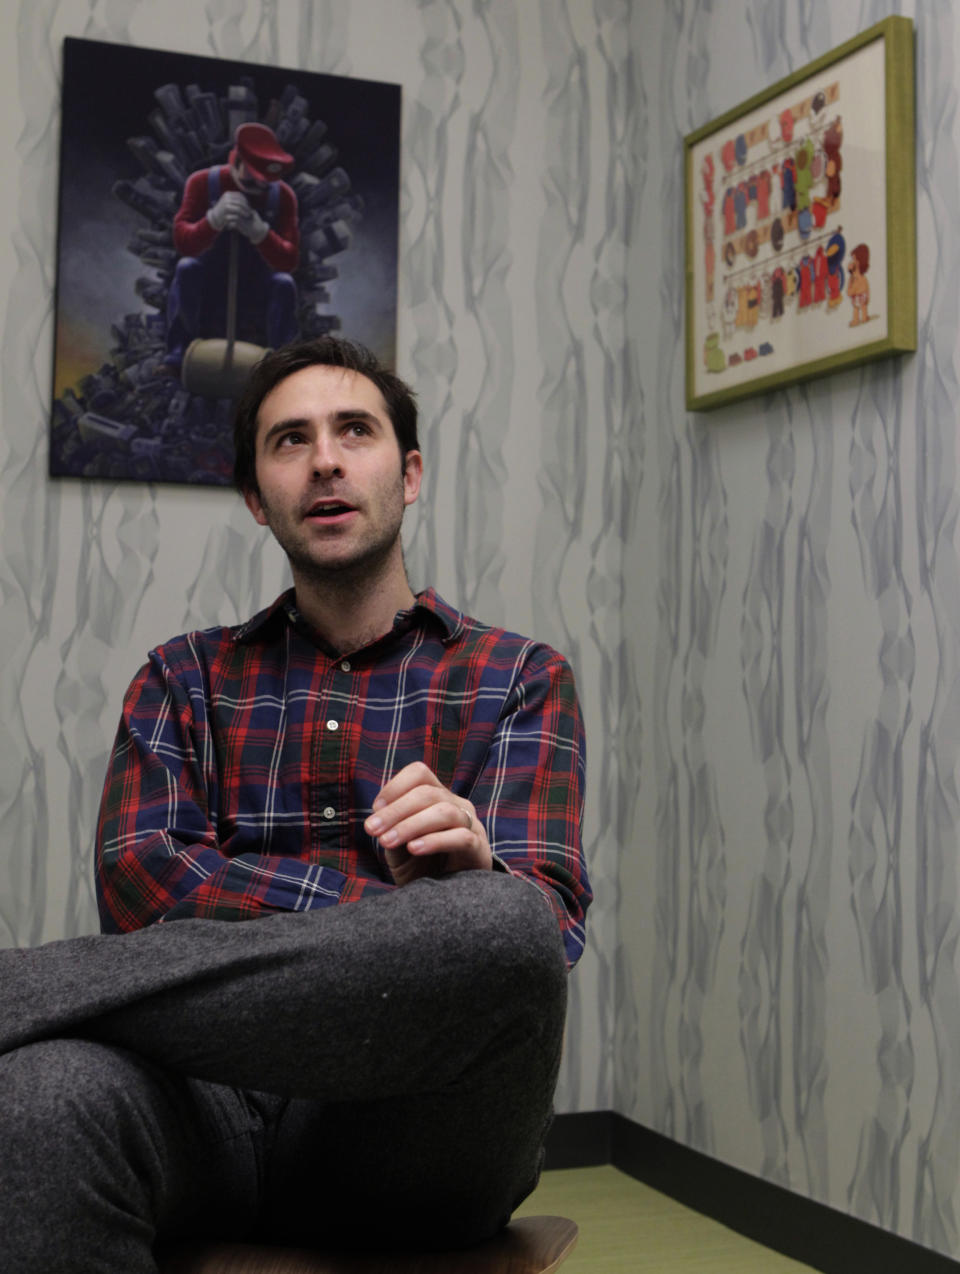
375, 1074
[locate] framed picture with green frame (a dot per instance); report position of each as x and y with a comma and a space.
801, 224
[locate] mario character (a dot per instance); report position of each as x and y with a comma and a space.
834, 254
858, 289
244, 199
832, 141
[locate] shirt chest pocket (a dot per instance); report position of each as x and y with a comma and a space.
461, 732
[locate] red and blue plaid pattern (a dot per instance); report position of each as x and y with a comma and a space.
247, 759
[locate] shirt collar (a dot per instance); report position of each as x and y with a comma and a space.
429, 608
448, 617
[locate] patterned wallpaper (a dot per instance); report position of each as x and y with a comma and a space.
762, 604
787, 996
513, 329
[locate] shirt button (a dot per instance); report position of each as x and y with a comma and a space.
333, 725
329, 812
345, 666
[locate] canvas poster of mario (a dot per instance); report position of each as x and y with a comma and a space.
789, 228
209, 210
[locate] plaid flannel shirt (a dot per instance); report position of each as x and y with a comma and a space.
248, 758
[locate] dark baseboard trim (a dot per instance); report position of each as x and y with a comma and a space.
581, 1140
817, 1235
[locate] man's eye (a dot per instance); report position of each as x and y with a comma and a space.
293, 438
358, 428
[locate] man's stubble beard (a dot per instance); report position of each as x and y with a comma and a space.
355, 573
352, 573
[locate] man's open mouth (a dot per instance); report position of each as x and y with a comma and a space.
333, 510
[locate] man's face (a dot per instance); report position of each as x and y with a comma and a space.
246, 179
333, 485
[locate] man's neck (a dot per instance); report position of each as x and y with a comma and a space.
350, 613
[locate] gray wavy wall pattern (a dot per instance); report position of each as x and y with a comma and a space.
762, 605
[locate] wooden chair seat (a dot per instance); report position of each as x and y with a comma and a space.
530, 1245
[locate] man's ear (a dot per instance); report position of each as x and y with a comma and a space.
412, 476
253, 502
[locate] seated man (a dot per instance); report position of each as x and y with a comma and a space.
244, 201
388, 793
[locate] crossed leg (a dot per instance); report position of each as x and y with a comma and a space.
407, 1048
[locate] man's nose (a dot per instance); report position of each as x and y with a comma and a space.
327, 457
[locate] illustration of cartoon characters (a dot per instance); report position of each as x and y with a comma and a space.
714, 358
835, 250
709, 251
142, 280
858, 289
709, 260
832, 141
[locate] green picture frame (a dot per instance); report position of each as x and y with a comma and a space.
801, 224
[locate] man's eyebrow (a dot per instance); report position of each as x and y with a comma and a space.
356, 413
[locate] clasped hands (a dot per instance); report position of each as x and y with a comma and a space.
426, 830
233, 212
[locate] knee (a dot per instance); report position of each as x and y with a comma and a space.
503, 928
282, 287
187, 268
41, 1081
517, 919
185, 288
76, 1111
61, 1099
64, 1135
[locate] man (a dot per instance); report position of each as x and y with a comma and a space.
242, 206
389, 794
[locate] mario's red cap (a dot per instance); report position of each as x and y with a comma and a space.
257, 146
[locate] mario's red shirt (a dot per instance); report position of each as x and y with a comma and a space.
193, 234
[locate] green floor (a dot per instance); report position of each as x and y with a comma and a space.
626, 1226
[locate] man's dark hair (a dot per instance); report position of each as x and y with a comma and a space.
328, 351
